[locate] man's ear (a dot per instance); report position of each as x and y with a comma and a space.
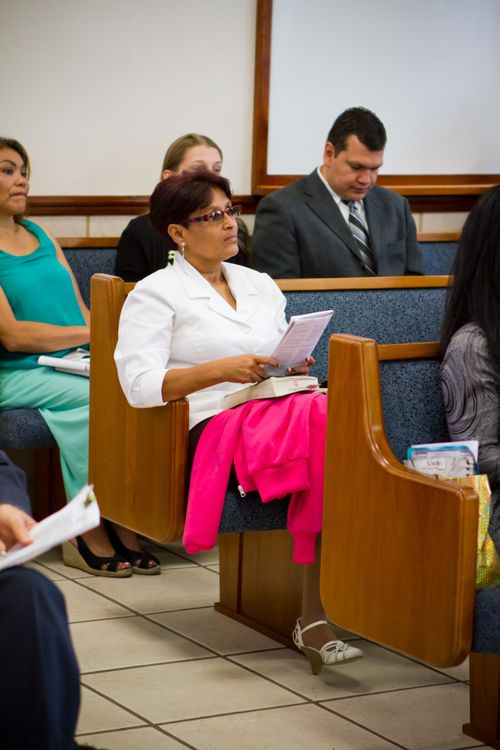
329, 153
176, 232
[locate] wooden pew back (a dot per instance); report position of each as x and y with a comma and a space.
399, 549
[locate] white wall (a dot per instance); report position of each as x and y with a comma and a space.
96, 90
429, 68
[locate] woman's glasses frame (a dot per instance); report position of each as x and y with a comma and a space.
216, 216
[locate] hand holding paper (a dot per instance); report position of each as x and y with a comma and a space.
79, 516
299, 340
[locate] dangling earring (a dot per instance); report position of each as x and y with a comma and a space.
181, 247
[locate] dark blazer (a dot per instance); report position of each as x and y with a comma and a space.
300, 232
142, 250
13, 484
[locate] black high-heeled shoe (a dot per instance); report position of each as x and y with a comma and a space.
139, 559
83, 558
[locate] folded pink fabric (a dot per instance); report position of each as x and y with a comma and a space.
278, 447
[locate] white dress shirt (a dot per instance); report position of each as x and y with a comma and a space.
343, 208
174, 319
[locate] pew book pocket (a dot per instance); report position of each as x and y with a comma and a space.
488, 562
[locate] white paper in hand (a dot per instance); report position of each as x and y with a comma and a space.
77, 517
299, 340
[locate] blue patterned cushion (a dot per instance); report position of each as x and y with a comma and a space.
24, 429
387, 315
85, 262
487, 621
438, 257
251, 514
412, 404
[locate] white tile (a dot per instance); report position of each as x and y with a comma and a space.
180, 588
47, 572
305, 727
249, 220
215, 631
107, 226
378, 670
83, 604
97, 714
133, 739
129, 642
186, 690
443, 222
428, 718
418, 221
209, 557
63, 226
53, 560
167, 558
458, 673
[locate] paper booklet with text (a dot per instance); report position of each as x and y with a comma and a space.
297, 343
77, 517
299, 340
77, 362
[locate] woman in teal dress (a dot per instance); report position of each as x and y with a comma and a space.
42, 312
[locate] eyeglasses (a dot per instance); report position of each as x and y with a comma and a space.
214, 216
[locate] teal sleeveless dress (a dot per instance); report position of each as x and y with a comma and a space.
39, 288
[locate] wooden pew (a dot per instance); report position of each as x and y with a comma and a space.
399, 549
138, 457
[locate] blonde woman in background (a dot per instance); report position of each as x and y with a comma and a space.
141, 249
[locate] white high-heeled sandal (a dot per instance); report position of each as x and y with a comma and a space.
331, 653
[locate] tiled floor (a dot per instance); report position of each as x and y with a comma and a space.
162, 670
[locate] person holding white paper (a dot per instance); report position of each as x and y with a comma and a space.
201, 328
42, 312
39, 675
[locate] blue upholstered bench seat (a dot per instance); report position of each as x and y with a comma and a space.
487, 621
24, 428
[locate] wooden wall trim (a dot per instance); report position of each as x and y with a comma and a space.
106, 205
85, 243
123, 205
416, 187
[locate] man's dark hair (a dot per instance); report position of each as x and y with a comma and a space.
475, 294
360, 122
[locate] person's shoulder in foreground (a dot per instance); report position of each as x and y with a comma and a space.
306, 229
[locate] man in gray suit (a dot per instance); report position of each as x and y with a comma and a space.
336, 221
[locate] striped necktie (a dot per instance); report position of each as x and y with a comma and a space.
360, 233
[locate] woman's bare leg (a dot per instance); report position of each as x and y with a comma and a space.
312, 608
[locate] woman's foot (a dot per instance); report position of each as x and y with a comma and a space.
126, 544
316, 642
93, 553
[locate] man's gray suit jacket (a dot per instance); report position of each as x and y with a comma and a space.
300, 232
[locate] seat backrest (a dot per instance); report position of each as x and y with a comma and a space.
438, 257
399, 548
387, 309
86, 261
